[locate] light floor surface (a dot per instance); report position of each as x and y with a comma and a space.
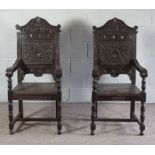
76, 125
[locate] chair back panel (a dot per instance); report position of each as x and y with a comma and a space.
34, 52
38, 46
114, 52
114, 47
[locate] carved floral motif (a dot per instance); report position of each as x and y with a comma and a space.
37, 53
114, 52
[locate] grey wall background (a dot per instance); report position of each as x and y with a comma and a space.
77, 48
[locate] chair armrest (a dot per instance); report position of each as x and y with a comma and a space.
58, 72
13, 68
143, 72
95, 72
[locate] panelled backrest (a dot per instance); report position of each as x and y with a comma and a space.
114, 47
38, 46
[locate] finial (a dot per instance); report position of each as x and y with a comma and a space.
94, 27
38, 19
115, 20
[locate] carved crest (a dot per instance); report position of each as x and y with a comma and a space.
38, 29
38, 24
115, 25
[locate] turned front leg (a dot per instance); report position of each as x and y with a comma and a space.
142, 118
58, 107
142, 109
93, 109
10, 106
93, 115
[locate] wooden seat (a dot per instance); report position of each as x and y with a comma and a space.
115, 54
35, 91
117, 92
38, 54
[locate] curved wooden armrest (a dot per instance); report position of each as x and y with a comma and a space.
13, 68
143, 72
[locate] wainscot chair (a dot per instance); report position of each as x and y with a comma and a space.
38, 54
115, 54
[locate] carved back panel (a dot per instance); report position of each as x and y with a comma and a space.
114, 47
38, 46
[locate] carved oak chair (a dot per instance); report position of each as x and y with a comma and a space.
115, 54
38, 54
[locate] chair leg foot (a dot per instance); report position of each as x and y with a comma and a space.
142, 128
11, 126
59, 127
141, 133
93, 115
142, 117
93, 127
11, 132
92, 133
59, 132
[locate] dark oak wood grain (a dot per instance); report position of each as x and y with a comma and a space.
115, 54
38, 54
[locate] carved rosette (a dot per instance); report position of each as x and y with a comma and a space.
114, 52
37, 53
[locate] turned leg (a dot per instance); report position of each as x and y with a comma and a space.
58, 115
142, 118
93, 115
56, 109
96, 110
58, 106
94, 107
10, 106
11, 125
142, 109
20, 108
132, 109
